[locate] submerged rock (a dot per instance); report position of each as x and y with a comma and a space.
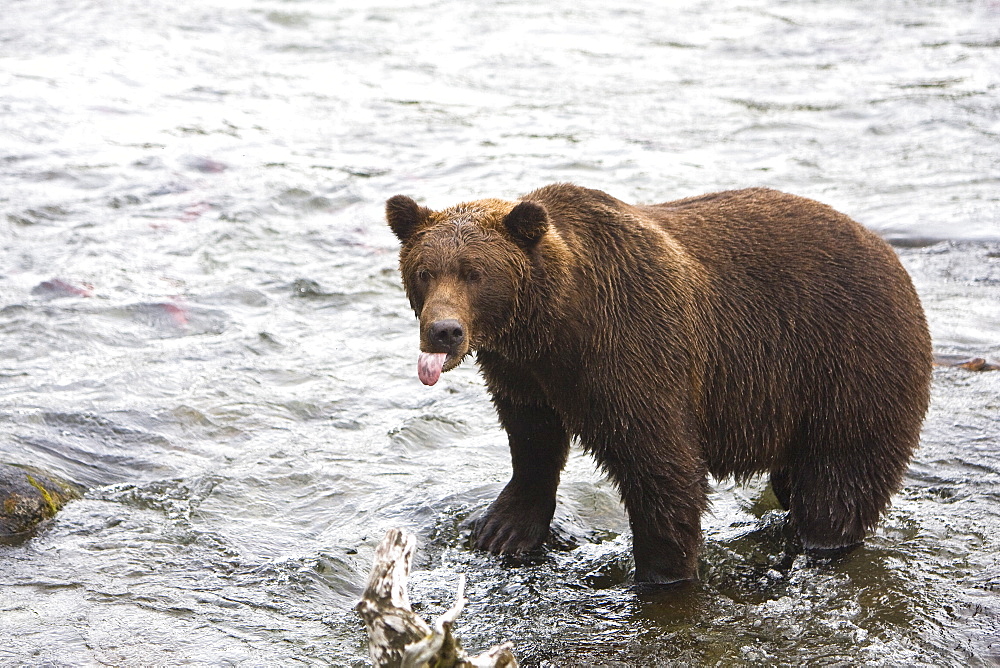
29, 496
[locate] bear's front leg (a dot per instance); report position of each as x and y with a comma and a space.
518, 520
665, 497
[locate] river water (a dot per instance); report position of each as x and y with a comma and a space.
201, 319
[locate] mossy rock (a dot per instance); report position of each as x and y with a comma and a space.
28, 496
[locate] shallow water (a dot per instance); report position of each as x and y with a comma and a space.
201, 319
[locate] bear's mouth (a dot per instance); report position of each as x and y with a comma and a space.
430, 366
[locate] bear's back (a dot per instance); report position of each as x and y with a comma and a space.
819, 319
797, 306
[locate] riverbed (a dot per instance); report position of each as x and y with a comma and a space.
202, 322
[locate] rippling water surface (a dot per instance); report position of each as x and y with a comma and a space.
201, 319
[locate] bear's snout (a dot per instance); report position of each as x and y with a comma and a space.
446, 335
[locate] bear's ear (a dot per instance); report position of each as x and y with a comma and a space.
405, 216
527, 223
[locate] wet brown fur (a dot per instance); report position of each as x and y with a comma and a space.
728, 334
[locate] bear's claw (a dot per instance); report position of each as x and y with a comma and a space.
512, 527
500, 538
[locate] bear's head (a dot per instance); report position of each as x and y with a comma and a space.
465, 270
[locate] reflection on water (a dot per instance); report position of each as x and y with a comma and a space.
201, 319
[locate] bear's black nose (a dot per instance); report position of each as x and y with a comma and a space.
447, 333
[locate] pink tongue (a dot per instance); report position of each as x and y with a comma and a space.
429, 367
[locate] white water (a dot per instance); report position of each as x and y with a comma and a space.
238, 390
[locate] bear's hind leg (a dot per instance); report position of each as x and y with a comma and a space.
837, 493
780, 487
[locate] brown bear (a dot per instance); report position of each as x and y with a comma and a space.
728, 334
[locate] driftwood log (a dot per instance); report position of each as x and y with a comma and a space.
966, 362
398, 637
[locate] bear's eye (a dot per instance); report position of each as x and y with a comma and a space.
473, 275
424, 275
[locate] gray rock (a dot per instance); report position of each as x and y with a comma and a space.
28, 496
